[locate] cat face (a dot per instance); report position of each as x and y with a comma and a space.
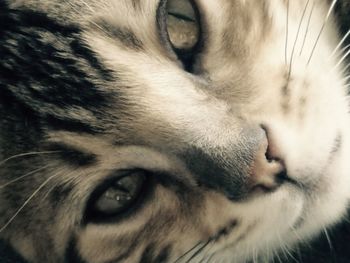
162, 131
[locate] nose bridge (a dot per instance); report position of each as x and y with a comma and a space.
227, 169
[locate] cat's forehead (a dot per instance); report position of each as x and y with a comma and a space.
236, 9
231, 27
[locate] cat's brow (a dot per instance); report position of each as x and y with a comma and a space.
73, 155
121, 34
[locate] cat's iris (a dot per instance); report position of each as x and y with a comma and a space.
182, 24
117, 196
180, 30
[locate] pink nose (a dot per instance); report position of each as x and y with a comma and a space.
267, 170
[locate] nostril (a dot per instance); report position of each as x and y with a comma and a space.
269, 170
272, 153
281, 177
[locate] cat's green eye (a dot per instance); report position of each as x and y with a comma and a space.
182, 24
120, 195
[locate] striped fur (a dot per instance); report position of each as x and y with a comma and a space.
90, 88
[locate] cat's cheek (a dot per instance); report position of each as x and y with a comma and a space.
329, 202
271, 219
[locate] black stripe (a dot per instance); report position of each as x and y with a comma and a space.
71, 125
163, 255
149, 254
72, 254
59, 194
29, 18
7, 253
82, 51
72, 155
46, 77
337, 146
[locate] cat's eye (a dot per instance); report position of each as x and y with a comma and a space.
118, 196
180, 29
182, 24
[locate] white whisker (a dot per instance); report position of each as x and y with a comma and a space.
345, 70
342, 59
255, 256
296, 38
64, 182
346, 79
340, 43
88, 6
92, 22
344, 49
287, 33
328, 239
307, 28
23, 176
322, 29
278, 257
26, 154
27, 201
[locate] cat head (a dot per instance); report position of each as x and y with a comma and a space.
156, 131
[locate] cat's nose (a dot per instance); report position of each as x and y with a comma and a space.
267, 170
244, 167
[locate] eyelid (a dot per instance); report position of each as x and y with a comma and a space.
181, 16
184, 8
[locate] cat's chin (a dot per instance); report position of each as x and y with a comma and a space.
267, 220
293, 214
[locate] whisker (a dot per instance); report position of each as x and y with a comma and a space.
27, 201
27, 154
340, 43
188, 252
328, 239
296, 39
74, 7
208, 257
322, 29
199, 250
62, 183
255, 256
344, 49
88, 6
285, 249
92, 22
345, 70
278, 257
211, 257
342, 59
307, 28
285, 252
300, 260
23, 176
287, 33
102, 29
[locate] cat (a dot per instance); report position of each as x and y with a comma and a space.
171, 130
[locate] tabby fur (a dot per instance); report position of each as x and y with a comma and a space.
89, 88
